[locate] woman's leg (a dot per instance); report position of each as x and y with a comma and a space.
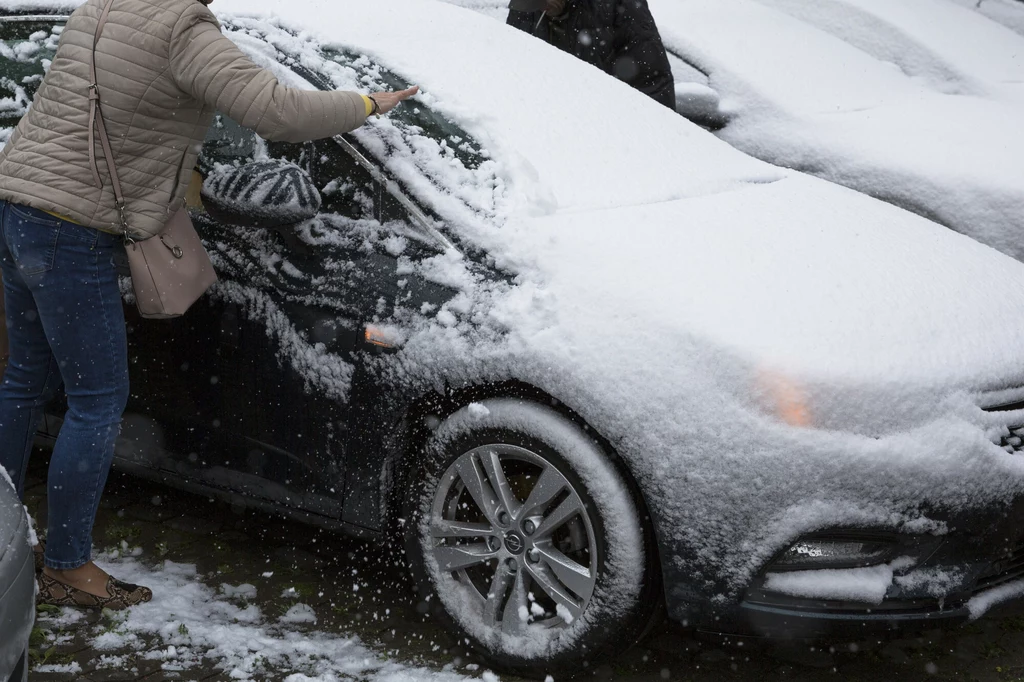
69, 271
32, 376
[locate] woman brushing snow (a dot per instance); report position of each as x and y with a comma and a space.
162, 69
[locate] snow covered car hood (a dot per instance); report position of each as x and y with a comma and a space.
922, 113
801, 276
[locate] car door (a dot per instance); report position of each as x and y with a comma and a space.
262, 367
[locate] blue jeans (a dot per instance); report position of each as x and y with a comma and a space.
66, 326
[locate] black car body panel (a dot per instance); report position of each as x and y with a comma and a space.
273, 391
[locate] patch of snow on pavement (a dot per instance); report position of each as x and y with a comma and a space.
188, 621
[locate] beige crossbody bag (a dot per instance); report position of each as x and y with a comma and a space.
171, 270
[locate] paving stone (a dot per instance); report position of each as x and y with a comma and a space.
803, 655
193, 525
985, 671
151, 513
894, 654
970, 647
713, 656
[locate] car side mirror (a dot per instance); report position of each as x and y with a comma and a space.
268, 193
700, 104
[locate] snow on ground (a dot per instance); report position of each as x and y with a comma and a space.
188, 621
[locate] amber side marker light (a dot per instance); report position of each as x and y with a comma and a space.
786, 399
375, 336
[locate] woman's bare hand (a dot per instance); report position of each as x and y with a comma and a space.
387, 101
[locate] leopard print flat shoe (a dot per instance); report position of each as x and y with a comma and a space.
122, 595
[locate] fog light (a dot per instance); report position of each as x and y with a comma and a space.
811, 553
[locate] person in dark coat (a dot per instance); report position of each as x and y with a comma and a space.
617, 36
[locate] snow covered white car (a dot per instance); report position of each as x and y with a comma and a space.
915, 102
589, 359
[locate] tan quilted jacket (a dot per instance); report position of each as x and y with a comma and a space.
163, 68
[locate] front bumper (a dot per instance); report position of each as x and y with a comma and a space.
17, 609
980, 560
777, 621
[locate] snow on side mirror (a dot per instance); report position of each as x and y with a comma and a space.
700, 104
268, 193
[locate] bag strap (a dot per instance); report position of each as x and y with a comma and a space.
96, 125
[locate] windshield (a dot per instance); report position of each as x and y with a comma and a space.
431, 156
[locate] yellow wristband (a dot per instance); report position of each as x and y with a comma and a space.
369, 104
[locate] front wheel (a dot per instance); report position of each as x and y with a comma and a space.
529, 540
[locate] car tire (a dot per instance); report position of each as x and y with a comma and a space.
525, 538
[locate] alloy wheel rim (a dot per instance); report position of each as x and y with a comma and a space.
508, 526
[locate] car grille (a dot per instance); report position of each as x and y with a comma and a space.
1010, 567
1013, 443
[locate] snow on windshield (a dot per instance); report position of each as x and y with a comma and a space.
436, 160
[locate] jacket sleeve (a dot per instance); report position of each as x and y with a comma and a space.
524, 21
640, 58
211, 68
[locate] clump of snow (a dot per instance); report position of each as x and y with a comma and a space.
980, 604
477, 410
868, 584
937, 582
72, 668
243, 591
299, 613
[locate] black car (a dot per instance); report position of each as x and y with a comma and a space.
567, 454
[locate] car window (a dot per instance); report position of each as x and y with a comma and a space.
685, 72
26, 49
349, 191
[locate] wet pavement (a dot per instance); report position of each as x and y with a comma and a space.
357, 590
